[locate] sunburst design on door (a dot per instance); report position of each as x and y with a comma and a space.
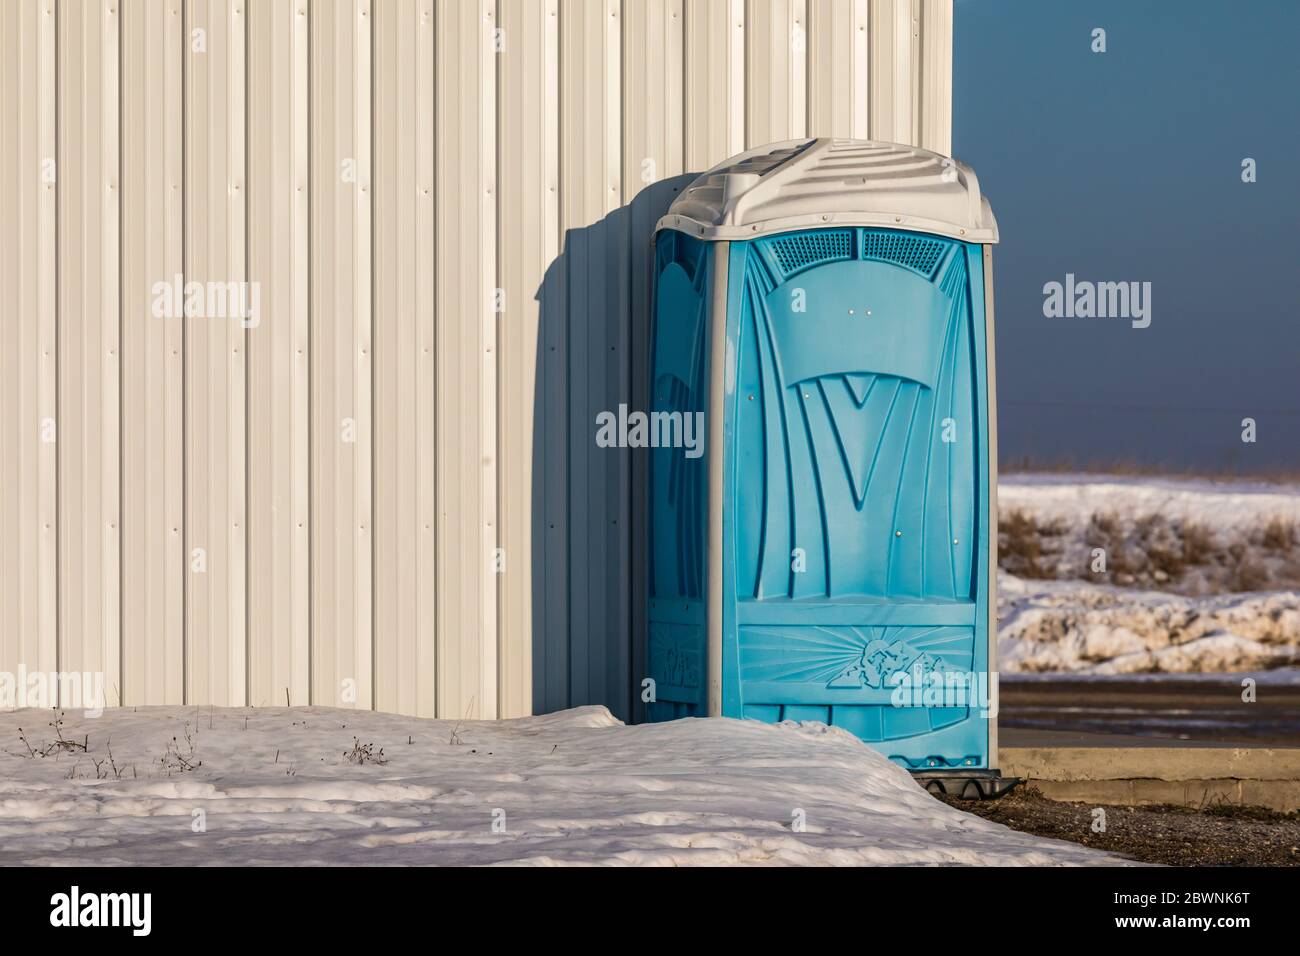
827, 655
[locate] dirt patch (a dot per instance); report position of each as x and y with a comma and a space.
1023, 543
1222, 835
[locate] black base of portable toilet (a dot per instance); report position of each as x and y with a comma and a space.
966, 785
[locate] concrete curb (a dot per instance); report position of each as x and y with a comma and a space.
1186, 775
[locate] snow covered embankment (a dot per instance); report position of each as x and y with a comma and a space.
307, 786
1200, 575
1072, 627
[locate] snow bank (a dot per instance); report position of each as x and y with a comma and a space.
273, 786
1222, 505
1187, 536
1075, 627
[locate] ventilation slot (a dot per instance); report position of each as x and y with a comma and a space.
912, 252
794, 253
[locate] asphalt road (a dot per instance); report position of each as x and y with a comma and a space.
1202, 709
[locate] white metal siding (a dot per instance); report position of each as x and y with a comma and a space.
153, 485
446, 205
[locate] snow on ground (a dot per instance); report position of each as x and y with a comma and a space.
1223, 505
1187, 536
273, 786
1201, 575
1076, 627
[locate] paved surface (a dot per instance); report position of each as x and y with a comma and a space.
1191, 743
1022, 737
1169, 711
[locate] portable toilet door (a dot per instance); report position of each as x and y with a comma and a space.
825, 306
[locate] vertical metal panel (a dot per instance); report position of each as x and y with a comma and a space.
935, 72
15, 35
89, 342
396, 328
489, 586
215, 379
28, 332
776, 39
594, 304
715, 81
528, 243
278, 354
653, 45
341, 440
838, 55
405, 406
549, 439
110, 491
363, 359
153, 561
466, 346
47, 497
891, 70
426, 445
522, 170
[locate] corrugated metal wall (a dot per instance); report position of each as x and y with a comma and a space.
385, 492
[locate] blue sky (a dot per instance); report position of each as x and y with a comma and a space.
1126, 166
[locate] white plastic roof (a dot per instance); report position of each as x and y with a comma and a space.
807, 183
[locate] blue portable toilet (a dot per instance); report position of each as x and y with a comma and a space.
824, 307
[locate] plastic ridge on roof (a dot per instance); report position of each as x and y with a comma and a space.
809, 183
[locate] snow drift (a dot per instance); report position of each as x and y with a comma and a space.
1187, 536
194, 786
1077, 628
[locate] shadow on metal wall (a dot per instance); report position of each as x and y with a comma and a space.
589, 502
